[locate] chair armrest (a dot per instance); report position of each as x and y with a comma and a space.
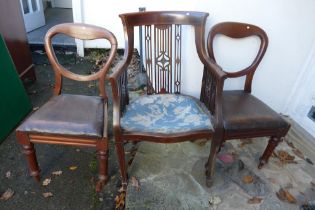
119, 83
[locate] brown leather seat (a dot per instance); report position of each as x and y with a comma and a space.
243, 112
69, 115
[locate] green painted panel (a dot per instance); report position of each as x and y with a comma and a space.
14, 102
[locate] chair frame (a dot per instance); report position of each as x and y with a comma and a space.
118, 80
27, 139
241, 30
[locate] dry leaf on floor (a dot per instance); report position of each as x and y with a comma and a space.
290, 144
298, 153
57, 173
285, 195
47, 194
214, 200
226, 158
72, 168
248, 179
121, 190
135, 183
284, 157
272, 180
120, 201
245, 142
7, 194
46, 182
35, 108
8, 174
254, 200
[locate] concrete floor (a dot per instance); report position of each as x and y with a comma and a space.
53, 16
172, 177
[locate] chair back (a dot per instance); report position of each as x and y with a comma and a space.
82, 32
240, 30
162, 40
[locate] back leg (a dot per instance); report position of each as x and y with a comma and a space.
272, 144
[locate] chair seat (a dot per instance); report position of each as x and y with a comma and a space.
165, 113
243, 112
68, 115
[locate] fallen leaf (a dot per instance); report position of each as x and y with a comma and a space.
46, 182
35, 108
248, 179
309, 161
72, 168
245, 142
214, 200
298, 153
226, 158
254, 200
290, 144
135, 183
284, 157
57, 173
7, 194
272, 180
8, 174
121, 190
120, 201
47, 194
285, 195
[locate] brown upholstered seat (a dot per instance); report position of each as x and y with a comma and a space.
243, 112
69, 115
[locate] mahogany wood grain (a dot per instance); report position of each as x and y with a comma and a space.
27, 138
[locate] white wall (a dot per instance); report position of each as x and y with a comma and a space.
288, 23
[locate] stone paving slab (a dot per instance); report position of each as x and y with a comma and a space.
172, 176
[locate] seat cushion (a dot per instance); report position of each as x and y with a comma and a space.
68, 115
165, 113
243, 112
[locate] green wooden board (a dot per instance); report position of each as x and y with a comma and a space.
14, 102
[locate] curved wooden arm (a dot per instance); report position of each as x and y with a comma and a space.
219, 76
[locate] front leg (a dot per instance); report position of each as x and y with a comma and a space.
210, 166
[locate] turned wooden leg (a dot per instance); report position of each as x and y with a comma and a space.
102, 152
122, 163
29, 152
273, 142
210, 166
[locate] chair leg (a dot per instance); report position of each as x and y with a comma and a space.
122, 163
102, 151
30, 153
210, 166
272, 144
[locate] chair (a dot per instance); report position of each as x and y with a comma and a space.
163, 115
243, 115
75, 120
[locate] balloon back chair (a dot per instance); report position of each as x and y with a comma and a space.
66, 119
243, 115
163, 114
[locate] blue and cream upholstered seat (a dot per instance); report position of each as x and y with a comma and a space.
165, 113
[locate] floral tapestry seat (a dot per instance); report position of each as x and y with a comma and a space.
165, 113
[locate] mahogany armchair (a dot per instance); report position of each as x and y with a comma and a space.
163, 115
243, 115
75, 120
